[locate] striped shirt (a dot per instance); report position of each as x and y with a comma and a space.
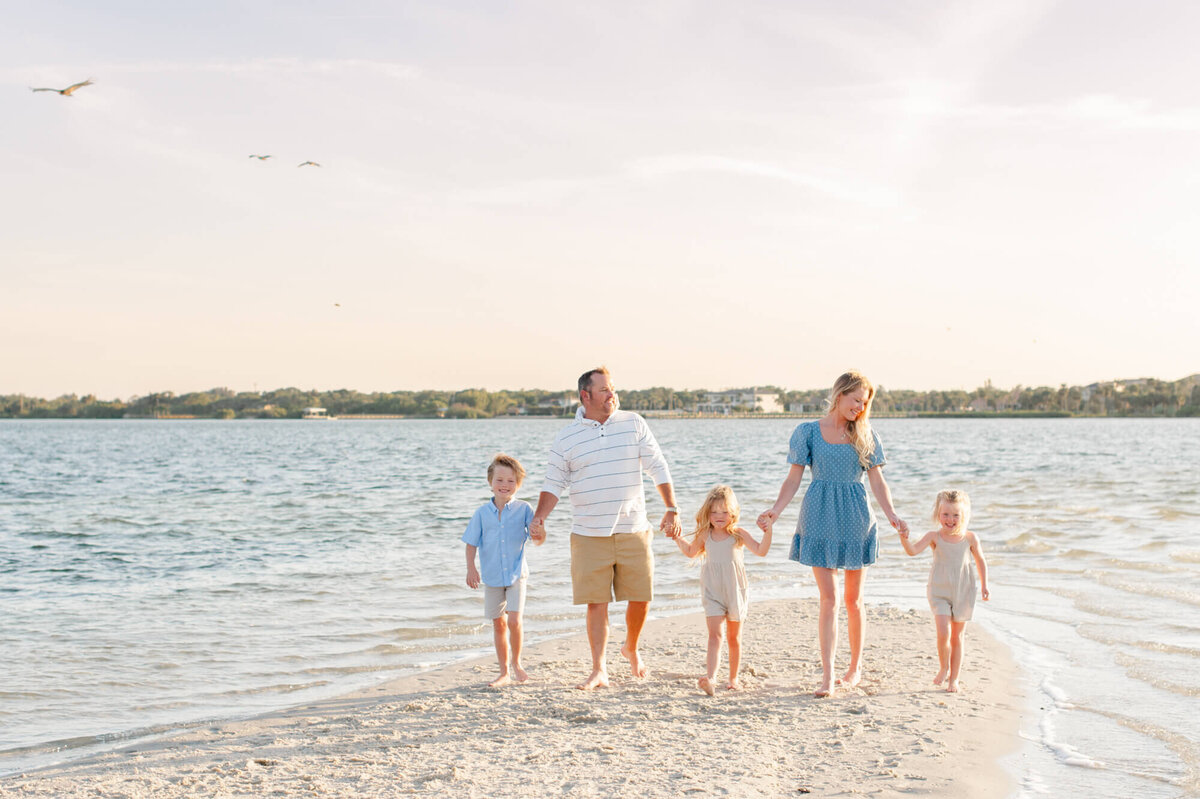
602, 464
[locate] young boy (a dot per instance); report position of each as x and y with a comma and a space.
498, 532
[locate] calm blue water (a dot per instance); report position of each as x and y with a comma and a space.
156, 574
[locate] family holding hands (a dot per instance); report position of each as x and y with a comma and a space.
601, 456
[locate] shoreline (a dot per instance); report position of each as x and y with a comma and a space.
445, 732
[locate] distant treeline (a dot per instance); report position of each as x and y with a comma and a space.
1144, 397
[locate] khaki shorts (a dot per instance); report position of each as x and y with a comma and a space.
497, 599
620, 565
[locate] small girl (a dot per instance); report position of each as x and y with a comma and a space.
723, 587
951, 579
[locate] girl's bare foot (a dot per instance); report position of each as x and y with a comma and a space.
706, 686
952, 687
850, 679
824, 691
635, 661
598, 679
941, 676
500, 681
522, 675
733, 685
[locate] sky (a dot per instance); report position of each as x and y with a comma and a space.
696, 194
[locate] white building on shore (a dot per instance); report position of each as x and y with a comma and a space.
740, 400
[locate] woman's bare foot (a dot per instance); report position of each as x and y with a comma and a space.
850, 679
706, 686
941, 676
636, 667
500, 681
733, 685
522, 675
826, 690
952, 687
598, 679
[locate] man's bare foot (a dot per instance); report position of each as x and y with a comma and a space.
850, 679
599, 679
733, 685
636, 667
941, 676
706, 686
522, 675
824, 691
952, 687
500, 681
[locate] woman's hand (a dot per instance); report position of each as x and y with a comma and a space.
766, 520
898, 523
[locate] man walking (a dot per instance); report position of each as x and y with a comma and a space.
600, 457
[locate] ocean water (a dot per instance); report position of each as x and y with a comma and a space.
155, 575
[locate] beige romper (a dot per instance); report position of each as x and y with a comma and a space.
723, 586
952, 587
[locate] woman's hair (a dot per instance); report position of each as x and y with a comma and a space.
720, 493
954, 497
507, 460
858, 431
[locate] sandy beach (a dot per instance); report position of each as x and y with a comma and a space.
444, 732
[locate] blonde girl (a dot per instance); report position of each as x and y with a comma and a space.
952, 585
837, 527
723, 587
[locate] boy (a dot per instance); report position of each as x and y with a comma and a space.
498, 532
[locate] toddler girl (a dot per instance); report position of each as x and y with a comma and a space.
951, 579
723, 587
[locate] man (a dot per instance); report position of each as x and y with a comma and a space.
600, 457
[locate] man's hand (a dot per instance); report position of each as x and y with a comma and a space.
670, 525
537, 529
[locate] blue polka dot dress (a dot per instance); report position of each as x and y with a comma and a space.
837, 525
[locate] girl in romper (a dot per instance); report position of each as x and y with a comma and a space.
952, 586
723, 587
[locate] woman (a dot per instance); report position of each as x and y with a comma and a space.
837, 526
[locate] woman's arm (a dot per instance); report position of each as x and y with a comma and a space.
760, 548
883, 496
791, 484
980, 565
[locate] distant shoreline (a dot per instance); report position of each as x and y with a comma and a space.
655, 415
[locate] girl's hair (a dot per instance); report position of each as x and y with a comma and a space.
954, 497
720, 493
858, 431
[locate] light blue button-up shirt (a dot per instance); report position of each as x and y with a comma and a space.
500, 539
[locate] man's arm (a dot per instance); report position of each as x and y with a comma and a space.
537, 527
670, 520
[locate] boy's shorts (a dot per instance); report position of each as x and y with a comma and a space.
621, 564
498, 599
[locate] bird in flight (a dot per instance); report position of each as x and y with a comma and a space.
67, 92
260, 157
308, 163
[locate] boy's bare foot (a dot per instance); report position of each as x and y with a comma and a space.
941, 676
952, 687
823, 691
706, 686
636, 667
522, 675
733, 685
599, 679
850, 679
500, 681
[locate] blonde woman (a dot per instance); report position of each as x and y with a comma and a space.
723, 586
837, 526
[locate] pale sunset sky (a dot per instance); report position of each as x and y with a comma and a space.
697, 194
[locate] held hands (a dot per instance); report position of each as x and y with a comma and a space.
766, 520
670, 525
537, 530
472, 576
900, 525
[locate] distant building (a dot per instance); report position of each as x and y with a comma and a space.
979, 405
740, 400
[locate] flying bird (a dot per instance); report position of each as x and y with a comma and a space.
260, 157
308, 163
67, 92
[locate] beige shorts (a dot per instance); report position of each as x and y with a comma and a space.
498, 599
619, 565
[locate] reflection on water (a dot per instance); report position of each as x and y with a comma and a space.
157, 573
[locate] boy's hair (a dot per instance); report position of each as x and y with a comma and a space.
507, 460
953, 497
585, 379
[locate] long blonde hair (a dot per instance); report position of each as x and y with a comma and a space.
719, 493
859, 431
953, 497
